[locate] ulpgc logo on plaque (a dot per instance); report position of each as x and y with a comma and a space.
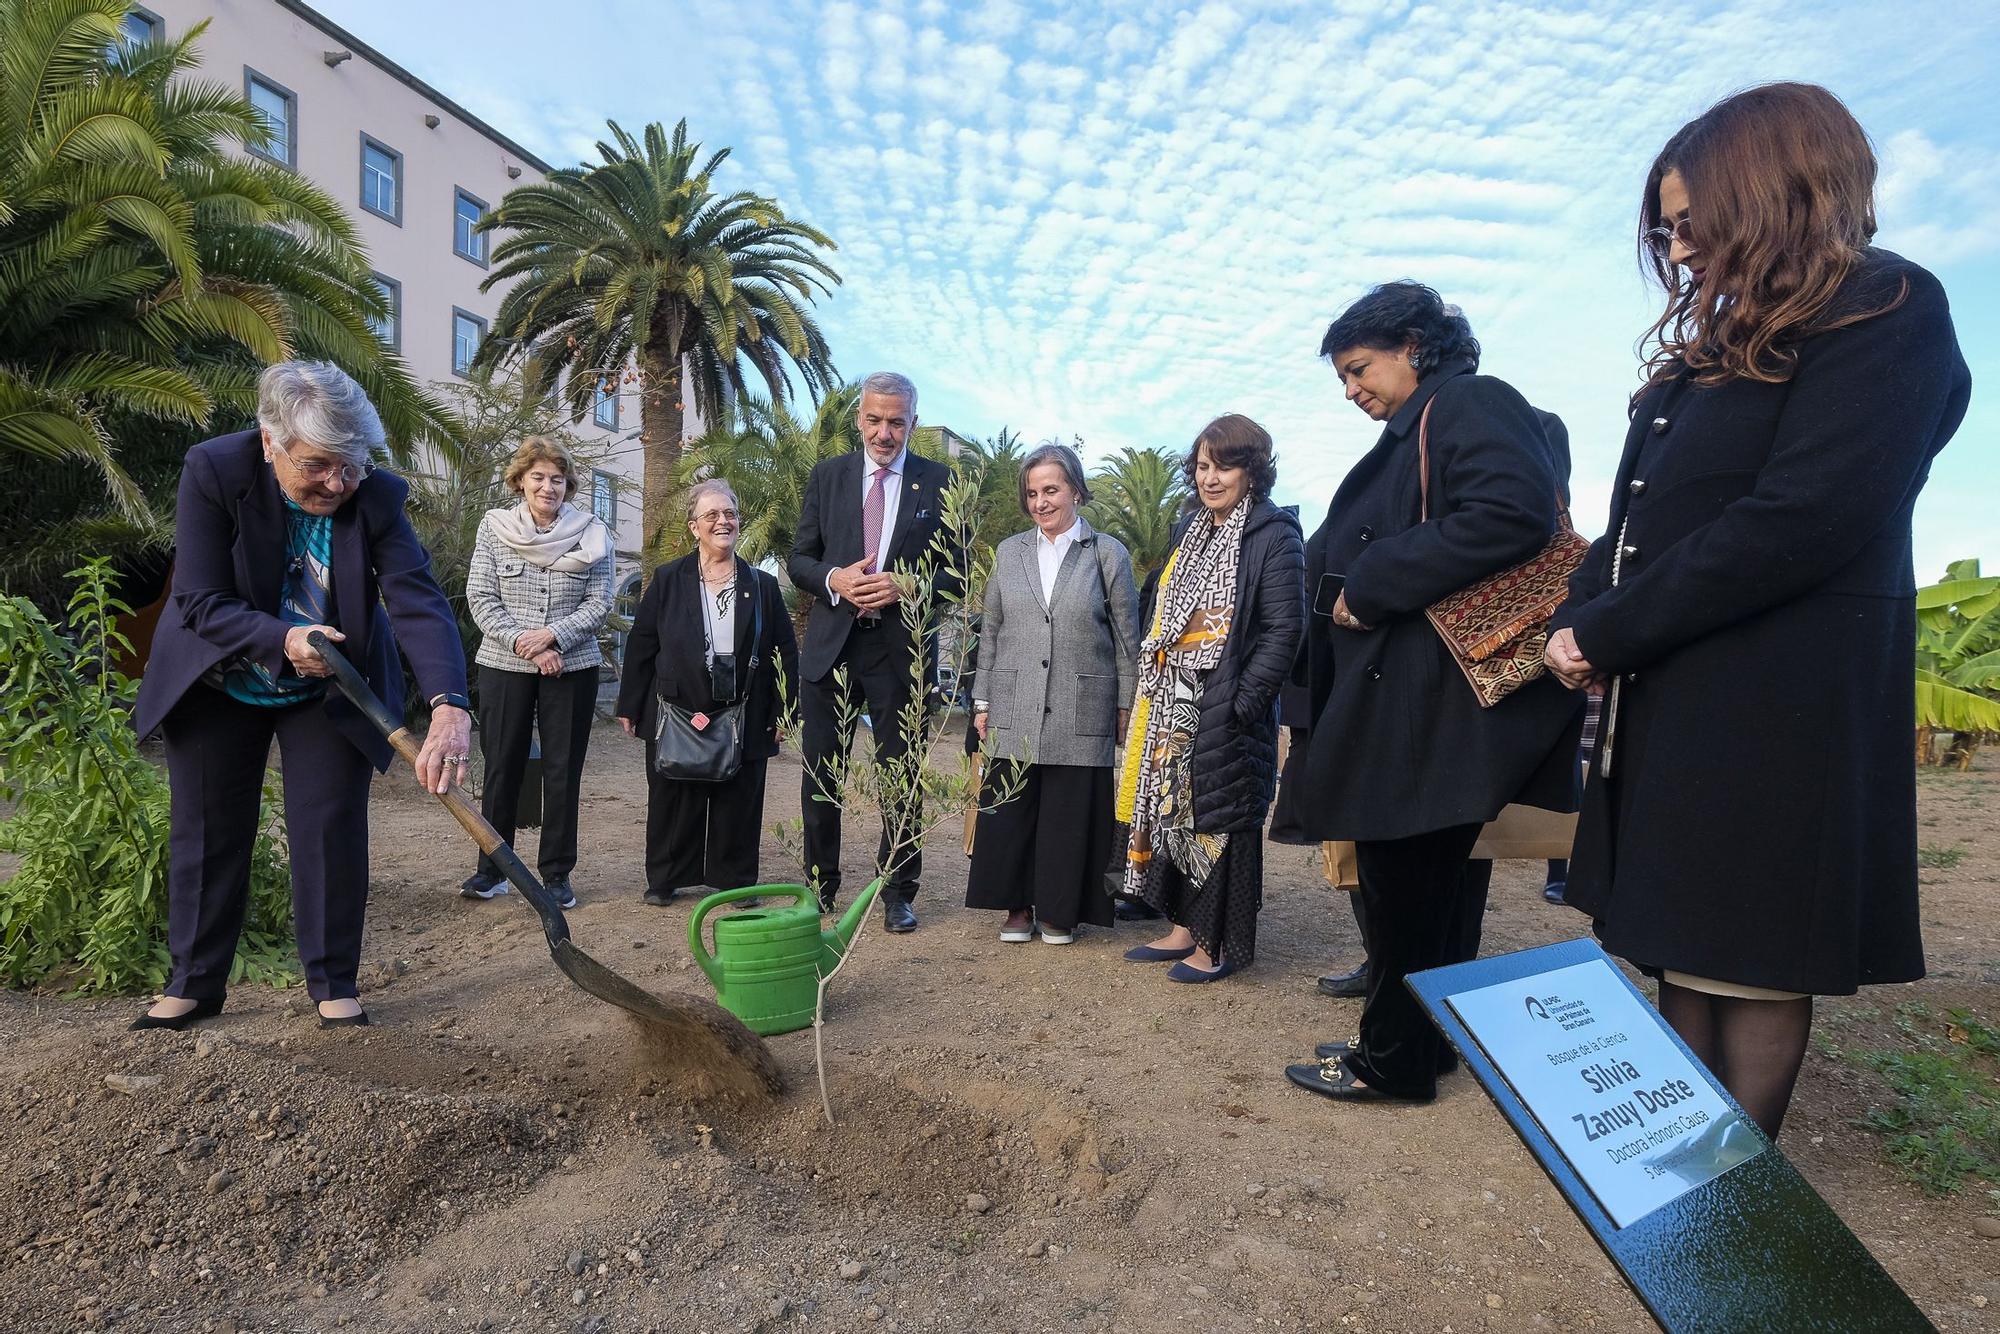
1622, 1102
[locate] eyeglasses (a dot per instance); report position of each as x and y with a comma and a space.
1662, 238
318, 470
709, 518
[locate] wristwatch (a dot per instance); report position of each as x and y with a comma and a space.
979, 706
453, 698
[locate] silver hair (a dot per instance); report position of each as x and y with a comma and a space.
711, 486
317, 403
1063, 457
892, 384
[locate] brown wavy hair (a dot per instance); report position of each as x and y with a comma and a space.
540, 449
1234, 441
1781, 203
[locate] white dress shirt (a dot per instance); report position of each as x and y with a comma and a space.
892, 500
1049, 553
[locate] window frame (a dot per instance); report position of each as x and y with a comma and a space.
394, 291
458, 193
458, 313
156, 27
290, 162
369, 141
598, 399
610, 512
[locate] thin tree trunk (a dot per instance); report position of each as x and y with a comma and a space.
662, 418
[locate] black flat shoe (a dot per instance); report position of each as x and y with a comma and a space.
346, 1021
203, 1009
1332, 1079
1328, 1051
1345, 986
899, 916
655, 898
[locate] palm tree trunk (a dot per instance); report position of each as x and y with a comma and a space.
662, 417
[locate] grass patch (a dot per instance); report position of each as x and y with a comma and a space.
1937, 857
1943, 1126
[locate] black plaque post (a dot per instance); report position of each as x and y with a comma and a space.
1755, 1248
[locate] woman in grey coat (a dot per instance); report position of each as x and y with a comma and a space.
1057, 668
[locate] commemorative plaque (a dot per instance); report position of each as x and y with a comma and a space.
1711, 1225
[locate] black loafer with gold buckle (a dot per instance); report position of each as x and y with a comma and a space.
1332, 1079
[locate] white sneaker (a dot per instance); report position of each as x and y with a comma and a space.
1057, 937
1018, 935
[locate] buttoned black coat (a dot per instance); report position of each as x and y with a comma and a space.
1400, 744
1759, 824
1235, 762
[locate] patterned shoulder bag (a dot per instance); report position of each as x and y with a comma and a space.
1497, 628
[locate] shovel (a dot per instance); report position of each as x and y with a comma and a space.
688, 1029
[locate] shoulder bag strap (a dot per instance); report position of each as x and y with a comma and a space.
1424, 474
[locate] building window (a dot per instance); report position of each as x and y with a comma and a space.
381, 180
141, 25
466, 242
604, 406
468, 331
280, 107
390, 327
604, 498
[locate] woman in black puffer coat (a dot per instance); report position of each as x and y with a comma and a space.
1201, 770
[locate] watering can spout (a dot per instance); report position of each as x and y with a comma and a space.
835, 939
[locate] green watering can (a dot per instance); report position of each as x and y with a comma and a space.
768, 961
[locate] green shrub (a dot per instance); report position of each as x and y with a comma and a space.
87, 907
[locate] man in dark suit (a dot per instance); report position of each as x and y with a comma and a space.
281, 531
865, 516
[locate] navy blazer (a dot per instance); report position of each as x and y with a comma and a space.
829, 537
229, 566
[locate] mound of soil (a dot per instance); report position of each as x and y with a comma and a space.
1029, 1138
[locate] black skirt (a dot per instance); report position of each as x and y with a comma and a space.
1046, 848
1221, 912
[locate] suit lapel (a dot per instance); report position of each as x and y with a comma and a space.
1079, 551
918, 497
350, 575
1031, 567
746, 612
261, 530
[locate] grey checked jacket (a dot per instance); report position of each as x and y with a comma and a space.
509, 596
1054, 675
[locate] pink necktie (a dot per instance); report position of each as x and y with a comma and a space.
871, 517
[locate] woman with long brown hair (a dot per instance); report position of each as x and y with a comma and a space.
1749, 825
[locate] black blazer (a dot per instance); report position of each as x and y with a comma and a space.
229, 569
1400, 744
1759, 825
829, 537
666, 655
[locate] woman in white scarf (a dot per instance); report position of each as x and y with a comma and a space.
539, 588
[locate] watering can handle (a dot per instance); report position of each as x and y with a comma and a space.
701, 953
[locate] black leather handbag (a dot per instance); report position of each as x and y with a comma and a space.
697, 747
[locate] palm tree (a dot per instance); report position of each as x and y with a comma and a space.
1137, 498
766, 455
146, 275
640, 258
998, 465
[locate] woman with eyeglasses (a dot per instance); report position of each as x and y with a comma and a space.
539, 588
281, 531
711, 633
1749, 825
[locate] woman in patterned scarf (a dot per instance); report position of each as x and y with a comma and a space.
1201, 762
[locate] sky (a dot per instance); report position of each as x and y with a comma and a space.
1119, 220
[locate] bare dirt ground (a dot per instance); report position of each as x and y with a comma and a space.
1031, 1138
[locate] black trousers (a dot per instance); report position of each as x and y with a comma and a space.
1414, 894
878, 678
1467, 926
217, 748
510, 705
703, 833
1045, 848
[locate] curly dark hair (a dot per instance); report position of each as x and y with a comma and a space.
1400, 313
1234, 441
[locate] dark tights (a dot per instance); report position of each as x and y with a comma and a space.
1753, 1046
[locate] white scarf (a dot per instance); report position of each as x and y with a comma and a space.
576, 541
